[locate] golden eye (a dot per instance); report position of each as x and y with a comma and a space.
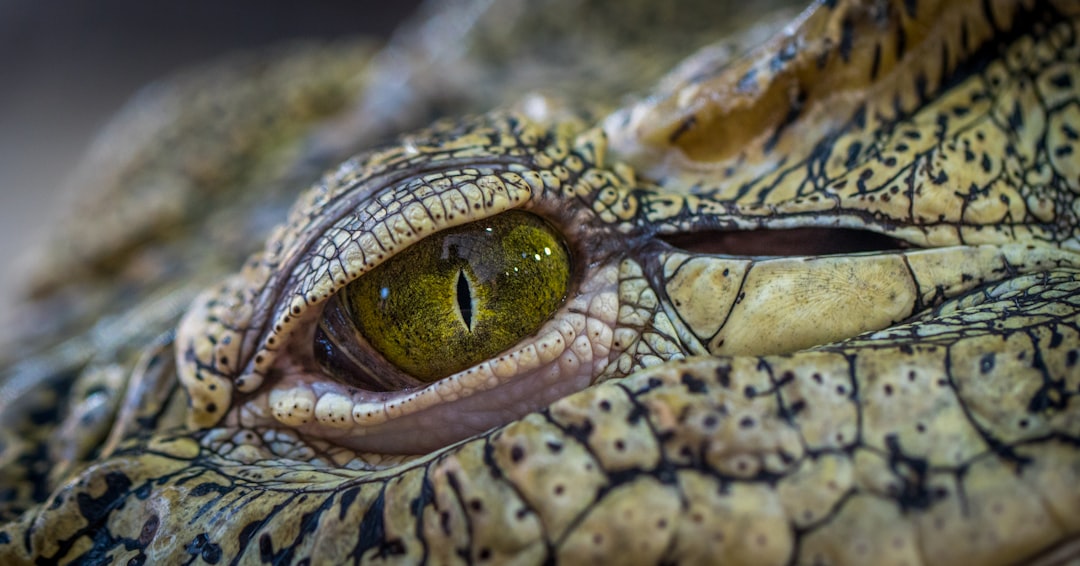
460, 296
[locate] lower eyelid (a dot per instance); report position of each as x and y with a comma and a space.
563, 358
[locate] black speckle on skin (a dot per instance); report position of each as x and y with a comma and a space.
1061, 80
266, 548
723, 376
1051, 397
208, 487
684, 127
693, 384
208, 551
349, 497
748, 83
149, 529
913, 493
875, 67
847, 39
94, 509
853, 155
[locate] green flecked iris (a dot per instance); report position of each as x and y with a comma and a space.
462, 295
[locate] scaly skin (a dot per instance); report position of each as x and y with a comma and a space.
907, 402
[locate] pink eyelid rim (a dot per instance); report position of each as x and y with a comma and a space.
577, 341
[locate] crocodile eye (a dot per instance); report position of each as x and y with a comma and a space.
453, 299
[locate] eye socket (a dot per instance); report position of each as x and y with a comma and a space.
451, 300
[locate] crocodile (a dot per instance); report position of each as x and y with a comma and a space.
543, 282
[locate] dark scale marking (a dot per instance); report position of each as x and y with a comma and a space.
847, 38
149, 529
94, 509
1051, 397
901, 45
747, 83
875, 67
793, 112
209, 487
1016, 117
684, 126
1070, 132
693, 384
637, 413
785, 54
794, 409
1062, 81
921, 88
723, 376
372, 533
266, 548
348, 498
309, 522
249, 530
912, 493
202, 547
853, 154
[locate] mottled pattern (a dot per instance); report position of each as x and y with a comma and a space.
825, 309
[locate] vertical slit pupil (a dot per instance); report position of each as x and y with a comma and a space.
464, 299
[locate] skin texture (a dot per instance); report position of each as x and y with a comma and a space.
730, 379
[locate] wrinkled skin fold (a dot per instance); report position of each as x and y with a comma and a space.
824, 303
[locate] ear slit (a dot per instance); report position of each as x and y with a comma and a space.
791, 242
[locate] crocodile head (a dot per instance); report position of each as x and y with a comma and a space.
817, 302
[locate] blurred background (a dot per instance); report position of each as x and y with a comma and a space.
67, 65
